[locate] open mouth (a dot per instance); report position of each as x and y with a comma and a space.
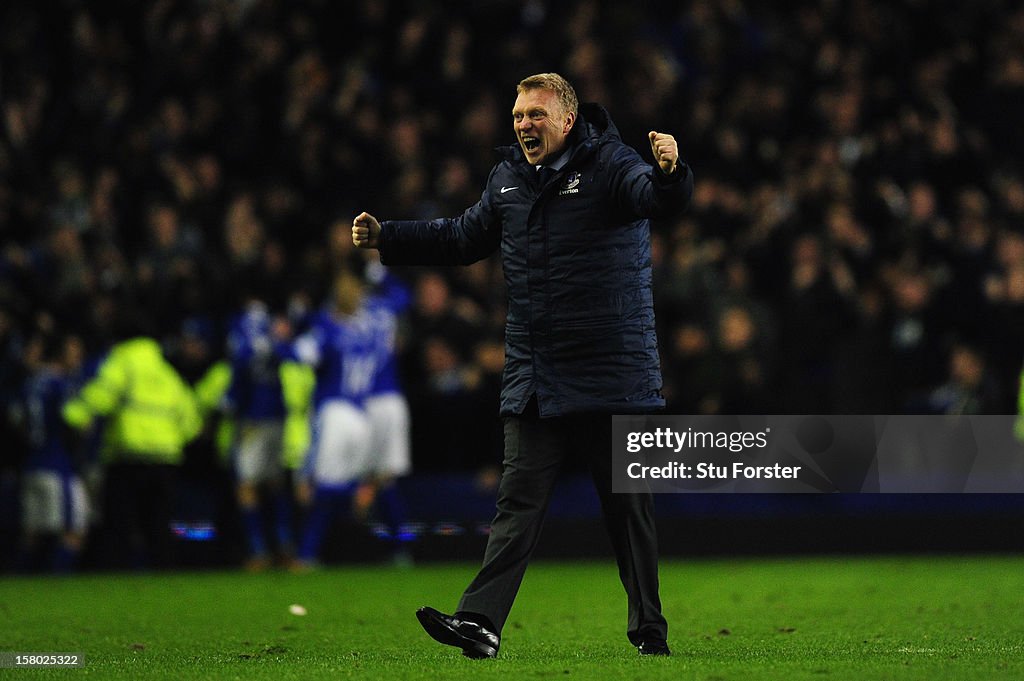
531, 143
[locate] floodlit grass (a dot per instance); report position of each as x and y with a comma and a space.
857, 618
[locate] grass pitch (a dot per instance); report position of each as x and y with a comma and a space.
743, 620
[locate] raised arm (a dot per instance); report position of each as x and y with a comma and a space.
652, 191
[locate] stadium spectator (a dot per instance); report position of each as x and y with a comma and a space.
580, 342
969, 389
744, 369
440, 373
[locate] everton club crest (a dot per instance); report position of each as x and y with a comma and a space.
572, 184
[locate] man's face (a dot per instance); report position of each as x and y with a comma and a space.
541, 125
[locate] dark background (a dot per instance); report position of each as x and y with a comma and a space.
855, 245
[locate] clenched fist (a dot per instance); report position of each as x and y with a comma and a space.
365, 231
665, 150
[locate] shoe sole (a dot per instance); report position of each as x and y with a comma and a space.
433, 623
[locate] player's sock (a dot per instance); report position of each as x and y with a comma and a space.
283, 521
252, 522
62, 560
391, 506
326, 503
392, 511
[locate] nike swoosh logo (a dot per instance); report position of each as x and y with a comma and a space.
507, 189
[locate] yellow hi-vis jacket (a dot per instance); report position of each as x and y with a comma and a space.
297, 383
210, 391
151, 412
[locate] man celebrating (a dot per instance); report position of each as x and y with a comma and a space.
569, 208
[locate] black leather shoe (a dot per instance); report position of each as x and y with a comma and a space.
654, 648
475, 641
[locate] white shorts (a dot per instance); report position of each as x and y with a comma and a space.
52, 502
258, 452
341, 444
389, 425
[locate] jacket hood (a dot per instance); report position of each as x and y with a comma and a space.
597, 123
593, 127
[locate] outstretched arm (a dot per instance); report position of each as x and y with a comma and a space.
472, 236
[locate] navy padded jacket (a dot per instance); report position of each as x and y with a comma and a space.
576, 254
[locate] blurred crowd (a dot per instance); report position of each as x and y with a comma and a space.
855, 243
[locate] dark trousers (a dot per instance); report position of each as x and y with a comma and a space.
138, 502
534, 452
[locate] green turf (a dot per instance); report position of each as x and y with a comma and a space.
861, 618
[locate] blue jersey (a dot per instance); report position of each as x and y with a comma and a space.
383, 328
44, 396
390, 299
341, 350
255, 390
